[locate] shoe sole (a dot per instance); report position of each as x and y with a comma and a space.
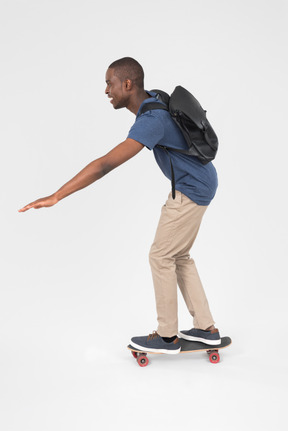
201, 340
144, 349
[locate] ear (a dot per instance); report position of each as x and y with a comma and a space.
128, 84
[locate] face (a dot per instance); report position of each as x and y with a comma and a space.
115, 90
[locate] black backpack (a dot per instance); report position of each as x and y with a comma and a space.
190, 117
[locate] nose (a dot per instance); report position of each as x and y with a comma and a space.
106, 90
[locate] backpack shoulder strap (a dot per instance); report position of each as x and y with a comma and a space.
151, 106
162, 97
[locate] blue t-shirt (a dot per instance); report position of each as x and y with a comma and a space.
196, 181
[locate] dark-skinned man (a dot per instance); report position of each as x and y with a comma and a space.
180, 218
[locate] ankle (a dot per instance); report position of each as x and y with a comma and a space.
169, 339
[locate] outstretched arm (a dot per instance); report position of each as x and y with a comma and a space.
92, 172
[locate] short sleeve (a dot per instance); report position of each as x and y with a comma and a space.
148, 130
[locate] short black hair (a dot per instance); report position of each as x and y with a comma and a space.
129, 68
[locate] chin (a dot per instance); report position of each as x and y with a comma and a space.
118, 106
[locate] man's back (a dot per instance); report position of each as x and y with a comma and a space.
156, 127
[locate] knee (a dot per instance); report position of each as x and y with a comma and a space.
153, 256
159, 258
156, 255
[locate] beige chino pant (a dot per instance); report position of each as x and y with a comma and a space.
171, 265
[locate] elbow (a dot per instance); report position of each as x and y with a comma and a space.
105, 169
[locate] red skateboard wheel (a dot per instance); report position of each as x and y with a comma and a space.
142, 360
214, 357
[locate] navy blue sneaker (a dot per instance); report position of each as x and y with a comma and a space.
155, 344
208, 337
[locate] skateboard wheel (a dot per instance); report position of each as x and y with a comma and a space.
214, 357
143, 360
134, 354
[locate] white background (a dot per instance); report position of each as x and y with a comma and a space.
75, 278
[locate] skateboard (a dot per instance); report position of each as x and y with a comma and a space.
186, 347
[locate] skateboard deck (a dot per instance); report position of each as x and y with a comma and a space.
186, 347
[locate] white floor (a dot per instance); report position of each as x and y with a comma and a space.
57, 378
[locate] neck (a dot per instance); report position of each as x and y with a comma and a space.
136, 100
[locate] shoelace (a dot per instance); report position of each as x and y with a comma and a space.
153, 335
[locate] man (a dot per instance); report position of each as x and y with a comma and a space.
180, 219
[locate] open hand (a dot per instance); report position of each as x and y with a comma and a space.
49, 201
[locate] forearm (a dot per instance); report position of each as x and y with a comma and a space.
91, 173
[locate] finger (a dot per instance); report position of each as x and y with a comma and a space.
26, 208
22, 210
